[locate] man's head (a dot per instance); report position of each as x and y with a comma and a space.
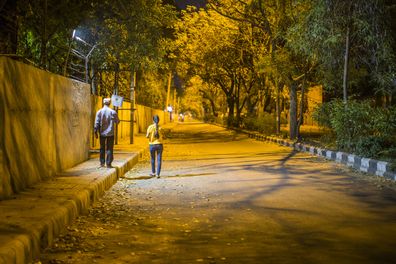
106, 101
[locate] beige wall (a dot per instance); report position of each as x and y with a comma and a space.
44, 125
143, 118
314, 98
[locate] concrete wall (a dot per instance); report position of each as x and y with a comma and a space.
44, 125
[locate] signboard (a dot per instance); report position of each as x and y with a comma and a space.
116, 100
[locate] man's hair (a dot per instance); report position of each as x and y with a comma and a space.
106, 101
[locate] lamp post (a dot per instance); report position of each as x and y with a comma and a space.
86, 57
132, 98
80, 54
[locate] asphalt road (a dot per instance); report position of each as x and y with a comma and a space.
225, 198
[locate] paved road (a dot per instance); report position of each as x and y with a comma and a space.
224, 198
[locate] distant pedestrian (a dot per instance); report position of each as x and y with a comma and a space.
181, 117
105, 122
170, 111
155, 136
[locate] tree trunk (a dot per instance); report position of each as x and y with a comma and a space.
168, 89
116, 77
277, 105
213, 106
301, 117
231, 105
293, 111
346, 65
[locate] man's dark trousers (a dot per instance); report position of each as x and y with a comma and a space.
106, 146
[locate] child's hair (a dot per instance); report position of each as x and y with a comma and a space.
156, 121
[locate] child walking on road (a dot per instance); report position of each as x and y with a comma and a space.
154, 134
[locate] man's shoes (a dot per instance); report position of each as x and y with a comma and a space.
158, 176
152, 174
102, 164
109, 166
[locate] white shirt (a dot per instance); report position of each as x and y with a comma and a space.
105, 121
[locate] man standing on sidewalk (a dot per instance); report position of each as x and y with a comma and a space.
105, 121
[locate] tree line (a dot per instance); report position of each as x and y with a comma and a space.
243, 60
249, 54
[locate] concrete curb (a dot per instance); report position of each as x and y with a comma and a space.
54, 211
371, 166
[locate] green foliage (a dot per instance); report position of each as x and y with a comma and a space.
265, 124
151, 90
45, 28
321, 114
359, 127
322, 34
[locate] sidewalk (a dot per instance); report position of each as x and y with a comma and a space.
33, 218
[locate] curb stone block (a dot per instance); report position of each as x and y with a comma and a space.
365, 164
351, 160
330, 155
297, 146
390, 176
339, 157
372, 166
357, 162
312, 150
342, 157
381, 168
319, 152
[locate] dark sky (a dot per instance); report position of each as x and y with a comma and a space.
183, 3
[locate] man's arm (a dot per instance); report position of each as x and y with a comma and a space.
116, 119
97, 124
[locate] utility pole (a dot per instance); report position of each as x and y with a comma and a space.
174, 103
116, 72
132, 98
168, 91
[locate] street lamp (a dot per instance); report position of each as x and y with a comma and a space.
79, 54
86, 57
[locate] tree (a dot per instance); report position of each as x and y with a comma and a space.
132, 36
45, 28
221, 51
271, 20
8, 27
353, 44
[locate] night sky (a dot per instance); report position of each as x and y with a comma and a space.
183, 3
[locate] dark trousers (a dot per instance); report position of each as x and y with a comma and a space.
156, 152
106, 147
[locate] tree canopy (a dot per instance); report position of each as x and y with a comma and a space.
240, 59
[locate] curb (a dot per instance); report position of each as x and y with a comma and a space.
367, 165
28, 240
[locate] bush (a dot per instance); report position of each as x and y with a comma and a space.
321, 115
359, 127
265, 124
370, 146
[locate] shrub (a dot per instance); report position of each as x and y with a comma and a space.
265, 124
359, 127
321, 114
370, 146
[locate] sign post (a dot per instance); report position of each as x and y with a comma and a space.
132, 113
